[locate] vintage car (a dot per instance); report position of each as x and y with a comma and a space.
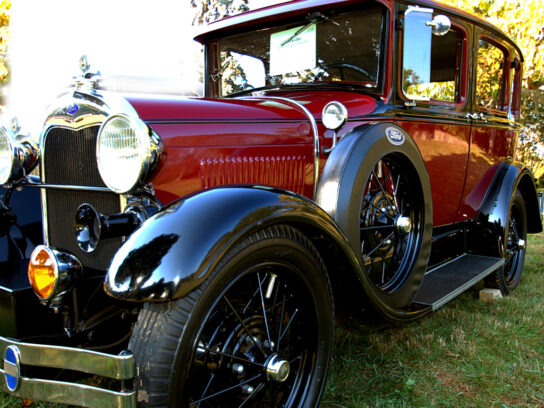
187, 251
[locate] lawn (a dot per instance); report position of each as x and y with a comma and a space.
467, 354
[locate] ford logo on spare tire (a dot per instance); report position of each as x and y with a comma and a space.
394, 136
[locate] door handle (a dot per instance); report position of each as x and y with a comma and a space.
471, 116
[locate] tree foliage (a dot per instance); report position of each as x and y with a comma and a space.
5, 6
523, 21
208, 11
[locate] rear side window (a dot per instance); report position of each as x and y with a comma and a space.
490, 76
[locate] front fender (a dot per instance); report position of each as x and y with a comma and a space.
176, 249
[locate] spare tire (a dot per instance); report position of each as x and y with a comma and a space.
384, 206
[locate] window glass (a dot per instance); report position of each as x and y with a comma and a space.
444, 80
490, 76
515, 84
336, 49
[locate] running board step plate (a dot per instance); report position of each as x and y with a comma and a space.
447, 281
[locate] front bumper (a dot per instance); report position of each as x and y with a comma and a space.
117, 367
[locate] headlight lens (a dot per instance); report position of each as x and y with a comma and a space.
126, 151
6, 155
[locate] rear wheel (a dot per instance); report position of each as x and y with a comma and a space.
509, 277
257, 332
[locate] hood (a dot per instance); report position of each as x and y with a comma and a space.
259, 108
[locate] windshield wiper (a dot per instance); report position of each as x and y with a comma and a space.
313, 18
297, 33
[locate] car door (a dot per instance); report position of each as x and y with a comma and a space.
496, 83
433, 106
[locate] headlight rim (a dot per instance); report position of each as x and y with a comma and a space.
148, 141
12, 147
325, 119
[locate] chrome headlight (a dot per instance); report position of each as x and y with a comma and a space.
16, 159
127, 151
6, 155
334, 115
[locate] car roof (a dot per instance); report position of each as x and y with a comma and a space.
267, 15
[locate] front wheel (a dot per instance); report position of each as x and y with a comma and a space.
257, 333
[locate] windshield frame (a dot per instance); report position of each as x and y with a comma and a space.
212, 82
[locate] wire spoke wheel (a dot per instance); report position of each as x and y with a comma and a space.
514, 245
257, 345
258, 332
391, 222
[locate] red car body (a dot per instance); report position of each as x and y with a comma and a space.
373, 172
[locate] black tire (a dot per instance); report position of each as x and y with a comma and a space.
391, 228
269, 300
349, 167
515, 237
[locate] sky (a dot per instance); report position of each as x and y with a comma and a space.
129, 38
120, 37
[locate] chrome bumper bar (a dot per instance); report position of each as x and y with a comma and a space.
16, 354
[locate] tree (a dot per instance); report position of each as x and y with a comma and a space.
208, 11
523, 21
5, 6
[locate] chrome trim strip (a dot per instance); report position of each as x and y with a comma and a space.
120, 367
45, 223
314, 129
70, 393
68, 187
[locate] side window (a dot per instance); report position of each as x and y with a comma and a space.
490, 76
515, 86
444, 82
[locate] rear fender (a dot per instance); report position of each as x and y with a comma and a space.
492, 218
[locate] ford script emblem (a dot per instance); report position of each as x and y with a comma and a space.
394, 136
12, 367
73, 108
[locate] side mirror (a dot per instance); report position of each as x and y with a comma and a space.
441, 24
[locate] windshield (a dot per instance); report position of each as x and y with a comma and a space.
342, 49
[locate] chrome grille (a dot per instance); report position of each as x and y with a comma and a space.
70, 159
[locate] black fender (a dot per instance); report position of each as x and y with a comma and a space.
492, 217
175, 250
21, 227
341, 187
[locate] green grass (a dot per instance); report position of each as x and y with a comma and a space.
467, 354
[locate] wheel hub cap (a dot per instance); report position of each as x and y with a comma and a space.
276, 369
403, 224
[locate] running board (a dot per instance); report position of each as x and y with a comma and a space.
447, 281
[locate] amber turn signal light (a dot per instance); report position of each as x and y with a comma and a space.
52, 272
43, 272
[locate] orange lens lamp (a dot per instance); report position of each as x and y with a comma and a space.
51, 272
